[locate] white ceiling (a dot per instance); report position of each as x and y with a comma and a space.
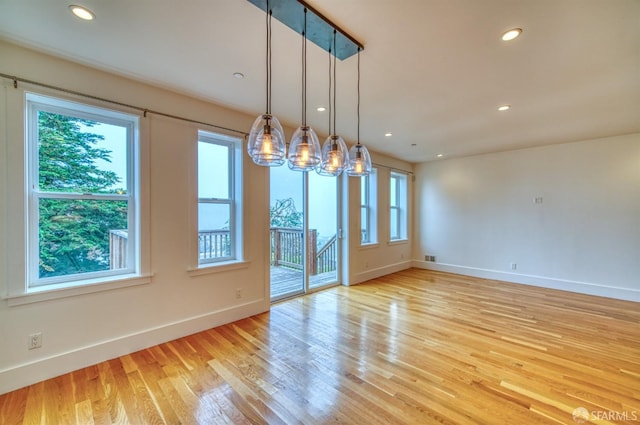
433, 72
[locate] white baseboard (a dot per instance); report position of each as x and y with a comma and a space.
627, 294
378, 272
61, 363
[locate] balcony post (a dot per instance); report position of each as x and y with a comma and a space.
277, 246
312, 249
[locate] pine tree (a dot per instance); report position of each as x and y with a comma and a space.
74, 233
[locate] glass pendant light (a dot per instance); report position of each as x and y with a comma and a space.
359, 161
266, 143
359, 158
304, 148
334, 155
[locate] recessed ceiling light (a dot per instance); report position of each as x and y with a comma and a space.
321, 109
238, 75
440, 155
82, 12
504, 107
511, 34
388, 134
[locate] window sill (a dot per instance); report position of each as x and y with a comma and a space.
217, 267
46, 294
398, 242
371, 245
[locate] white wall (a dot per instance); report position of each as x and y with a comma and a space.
477, 215
85, 329
384, 257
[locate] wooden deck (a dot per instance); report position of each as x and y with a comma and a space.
287, 282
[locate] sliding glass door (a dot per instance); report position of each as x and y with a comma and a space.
304, 232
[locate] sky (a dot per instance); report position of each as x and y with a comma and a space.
116, 142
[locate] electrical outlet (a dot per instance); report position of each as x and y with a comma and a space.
35, 340
238, 293
514, 266
430, 258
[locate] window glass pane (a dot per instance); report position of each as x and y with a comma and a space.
364, 190
323, 227
372, 201
364, 231
81, 236
81, 156
394, 229
393, 191
213, 216
214, 233
213, 171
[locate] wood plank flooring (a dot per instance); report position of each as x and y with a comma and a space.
415, 347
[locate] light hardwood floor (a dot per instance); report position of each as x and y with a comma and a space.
415, 347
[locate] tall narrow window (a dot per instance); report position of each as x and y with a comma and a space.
398, 206
368, 203
218, 199
83, 210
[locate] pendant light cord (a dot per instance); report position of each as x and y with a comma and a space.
358, 85
330, 91
270, 69
335, 82
304, 70
268, 58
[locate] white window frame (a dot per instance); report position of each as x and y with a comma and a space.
17, 285
235, 190
399, 204
368, 188
36, 104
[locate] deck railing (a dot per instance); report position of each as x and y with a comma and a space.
118, 249
214, 244
326, 256
286, 248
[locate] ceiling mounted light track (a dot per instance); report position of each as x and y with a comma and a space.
304, 153
319, 28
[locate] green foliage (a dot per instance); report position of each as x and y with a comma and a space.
284, 214
67, 156
74, 234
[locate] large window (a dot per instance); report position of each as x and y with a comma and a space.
218, 198
82, 193
398, 206
368, 203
